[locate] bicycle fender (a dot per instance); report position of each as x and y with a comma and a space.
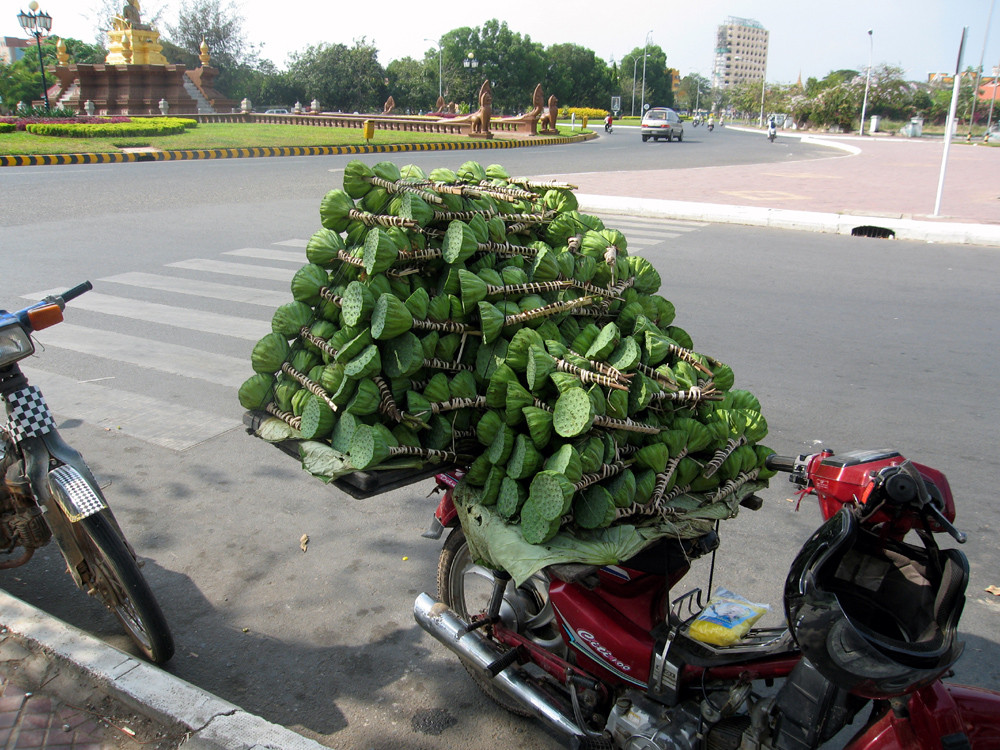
74, 494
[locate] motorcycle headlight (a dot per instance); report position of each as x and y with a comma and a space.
15, 344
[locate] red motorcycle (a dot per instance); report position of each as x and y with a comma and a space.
606, 658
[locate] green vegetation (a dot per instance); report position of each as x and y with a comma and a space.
224, 135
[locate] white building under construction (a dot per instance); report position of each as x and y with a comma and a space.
740, 52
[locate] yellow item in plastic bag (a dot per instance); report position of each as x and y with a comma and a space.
727, 618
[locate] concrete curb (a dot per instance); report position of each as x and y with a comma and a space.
214, 724
242, 153
779, 218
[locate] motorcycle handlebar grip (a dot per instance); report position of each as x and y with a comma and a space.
774, 462
76, 291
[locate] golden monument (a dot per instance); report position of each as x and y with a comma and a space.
132, 41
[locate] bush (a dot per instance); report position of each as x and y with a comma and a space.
6, 127
20, 123
581, 112
152, 126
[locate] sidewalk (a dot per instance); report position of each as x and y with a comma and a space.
882, 181
63, 689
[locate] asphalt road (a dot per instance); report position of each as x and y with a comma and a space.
847, 342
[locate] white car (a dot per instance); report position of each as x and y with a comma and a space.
661, 122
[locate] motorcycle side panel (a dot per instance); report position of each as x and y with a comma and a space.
937, 716
610, 625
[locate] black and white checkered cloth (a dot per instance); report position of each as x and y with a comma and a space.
27, 414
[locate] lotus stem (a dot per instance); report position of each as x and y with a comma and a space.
573, 243
604, 367
616, 290
509, 194
310, 385
505, 249
388, 404
688, 356
428, 253
403, 187
463, 215
443, 364
287, 417
626, 424
479, 402
659, 377
694, 395
430, 453
731, 486
316, 341
545, 310
605, 472
350, 259
663, 478
722, 454
448, 326
536, 185
589, 377
328, 294
533, 287
371, 220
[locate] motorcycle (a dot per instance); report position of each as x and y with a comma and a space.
710, 126
607, 126
48, 492
772, 132
607, 658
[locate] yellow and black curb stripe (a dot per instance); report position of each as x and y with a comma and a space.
242, 153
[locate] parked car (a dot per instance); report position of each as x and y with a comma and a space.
276, 112
661, 122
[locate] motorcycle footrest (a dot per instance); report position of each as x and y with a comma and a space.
502, 663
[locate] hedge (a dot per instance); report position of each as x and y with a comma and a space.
6, 127
146, 127
580, 112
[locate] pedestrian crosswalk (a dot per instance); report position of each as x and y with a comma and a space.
208, 349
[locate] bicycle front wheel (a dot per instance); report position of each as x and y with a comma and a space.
115, 579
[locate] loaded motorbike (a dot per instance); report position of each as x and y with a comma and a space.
605, 656
772, 131
49, 493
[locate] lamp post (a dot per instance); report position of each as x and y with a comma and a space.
37, 23
642, 107
440, 77
763, 88
635, 63
471, 63
868, 78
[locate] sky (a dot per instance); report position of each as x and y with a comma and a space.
806, 38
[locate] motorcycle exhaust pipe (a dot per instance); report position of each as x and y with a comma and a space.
472, 646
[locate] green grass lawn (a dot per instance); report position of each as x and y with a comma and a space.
224, 135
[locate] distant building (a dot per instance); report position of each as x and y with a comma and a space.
13, 49
740, 52
987, 83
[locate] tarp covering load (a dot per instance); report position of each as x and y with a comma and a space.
470, 318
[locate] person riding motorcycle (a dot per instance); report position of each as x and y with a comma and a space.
607, 123
711, 123
772, 129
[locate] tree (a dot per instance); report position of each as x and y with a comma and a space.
659, 85
18, 83
513, 64
413, 83
577, 77
221, 28
694, 92
344, 78
267, 87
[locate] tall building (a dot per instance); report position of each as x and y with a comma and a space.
740, 52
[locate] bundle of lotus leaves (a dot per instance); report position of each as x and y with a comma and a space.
474, 319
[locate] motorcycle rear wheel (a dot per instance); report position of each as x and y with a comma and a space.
465, 587
115, 580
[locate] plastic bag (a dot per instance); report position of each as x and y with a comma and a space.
726, 619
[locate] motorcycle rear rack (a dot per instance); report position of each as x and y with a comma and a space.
757, 641
359, 484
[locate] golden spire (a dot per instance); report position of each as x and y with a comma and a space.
204, 56
61, 55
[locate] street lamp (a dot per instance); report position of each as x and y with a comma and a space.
642, 107
440, 77
635, 63
37, 23
471, 63
868, 78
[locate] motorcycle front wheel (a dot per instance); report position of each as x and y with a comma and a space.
114, 578
466, 587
